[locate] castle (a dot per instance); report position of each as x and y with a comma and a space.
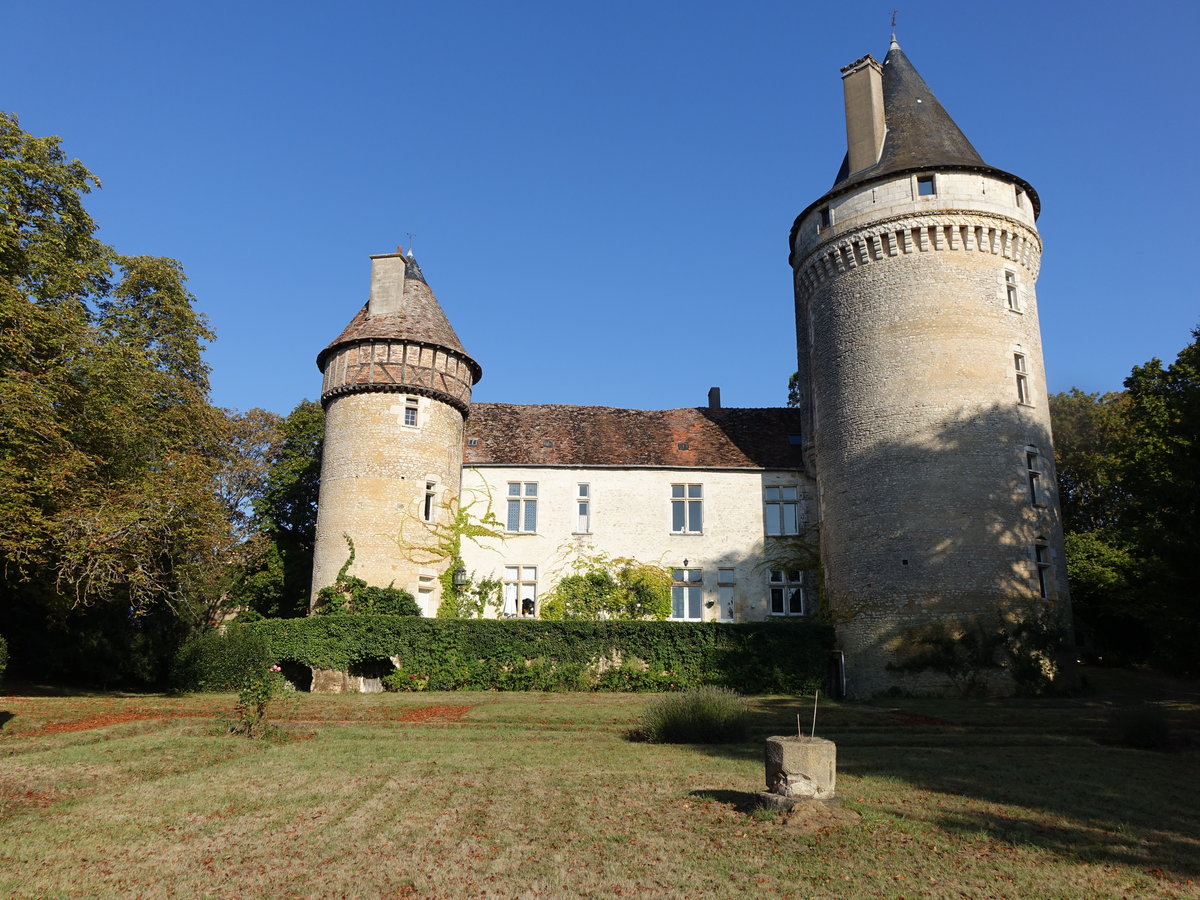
920, 451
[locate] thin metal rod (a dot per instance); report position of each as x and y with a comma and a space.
816, 694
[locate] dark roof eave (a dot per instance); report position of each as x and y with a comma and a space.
854, 184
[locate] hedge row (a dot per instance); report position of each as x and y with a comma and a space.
483, 654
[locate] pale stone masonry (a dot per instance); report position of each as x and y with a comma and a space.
921, 451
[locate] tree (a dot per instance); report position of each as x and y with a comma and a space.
110, 522
277, 580
602, 587
1090, 434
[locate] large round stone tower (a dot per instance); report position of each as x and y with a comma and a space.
397, 387
923, 387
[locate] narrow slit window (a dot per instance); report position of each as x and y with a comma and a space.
1022, 376
427, 505
1010, 290
1041, 560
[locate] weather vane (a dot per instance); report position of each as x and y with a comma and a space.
893, 20
410, 243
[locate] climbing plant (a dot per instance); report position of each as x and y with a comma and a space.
348, 595
600, 586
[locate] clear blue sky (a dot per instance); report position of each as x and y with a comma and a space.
601, 192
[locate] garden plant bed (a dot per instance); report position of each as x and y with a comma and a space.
528, 794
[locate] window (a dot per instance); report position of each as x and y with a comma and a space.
782, 510
926, 186
1020, 198
520, 591
1033, 472
826, 217
522, 507
1023, 395
410, 411
1010, 290
1041, 560
427, 504
687, 595
583, 509
725, 585
787, 592
687, 509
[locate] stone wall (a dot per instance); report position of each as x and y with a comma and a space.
373, 484
919, 441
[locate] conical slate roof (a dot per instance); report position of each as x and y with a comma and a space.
920, 133
422, 320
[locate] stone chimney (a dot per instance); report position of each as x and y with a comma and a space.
714, 398
387, 284
862, 85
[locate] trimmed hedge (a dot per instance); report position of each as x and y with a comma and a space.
220, 660
489, 654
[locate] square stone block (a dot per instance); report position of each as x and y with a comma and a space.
789, 759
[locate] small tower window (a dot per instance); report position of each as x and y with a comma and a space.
427, 505
926, 186
1010, 290
1041, 560
410, 411
826, 217
1023, 395
1033, 472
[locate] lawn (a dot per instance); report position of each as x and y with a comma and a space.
542, 795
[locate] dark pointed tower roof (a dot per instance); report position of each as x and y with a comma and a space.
920, 133
420, 319
920, 136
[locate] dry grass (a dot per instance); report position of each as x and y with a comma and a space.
540, 795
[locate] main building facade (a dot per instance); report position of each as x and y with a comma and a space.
918, 463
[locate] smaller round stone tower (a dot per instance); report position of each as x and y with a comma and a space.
923, 389
396, 390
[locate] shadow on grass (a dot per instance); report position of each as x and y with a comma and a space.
1026, 773
741, 801
6, 717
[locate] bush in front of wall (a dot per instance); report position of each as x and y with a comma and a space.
216, 660
703, 715
490, 654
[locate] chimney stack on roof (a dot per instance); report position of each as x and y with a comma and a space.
862, 85
387, 284
714, 398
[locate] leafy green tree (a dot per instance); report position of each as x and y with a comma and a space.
1090, 434
110, 523
278, 579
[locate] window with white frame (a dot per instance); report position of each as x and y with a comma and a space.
1022, 373
687, 509
787, 592
687, 595
583, 509
1041, 561
1011, 294
427, 505
1033, 474
410, 411
522, 507
782, 509
520, 591
725, 585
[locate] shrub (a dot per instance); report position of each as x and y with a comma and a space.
254, 699
490, 654
220, 660
704, 715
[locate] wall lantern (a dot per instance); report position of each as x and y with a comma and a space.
460, 578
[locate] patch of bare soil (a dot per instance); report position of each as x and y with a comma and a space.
819, 816
435, 713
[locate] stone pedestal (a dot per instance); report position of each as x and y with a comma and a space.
801, 768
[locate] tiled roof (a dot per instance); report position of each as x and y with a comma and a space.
509, 434
422, 320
